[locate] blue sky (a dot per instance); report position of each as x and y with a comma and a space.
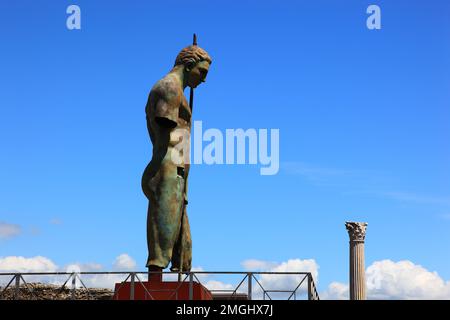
364, 120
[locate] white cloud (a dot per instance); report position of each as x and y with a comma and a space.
8, 230
73, 268
258, 265
267, 281
335, 291
297, 265
124, 263
290, 282
42, 264
218, 285
105, 280
22, 264
404, 280
99, 280
386, 279
281, 282
81, 267
13, 264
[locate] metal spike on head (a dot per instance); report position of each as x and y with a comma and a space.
191, 106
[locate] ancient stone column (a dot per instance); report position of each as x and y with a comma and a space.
357, 233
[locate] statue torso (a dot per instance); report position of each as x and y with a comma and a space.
164, 139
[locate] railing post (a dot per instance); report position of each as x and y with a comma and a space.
249, 294
191, 286
74, 286
132, 286
310, 293
17, 287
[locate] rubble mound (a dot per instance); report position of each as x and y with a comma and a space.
45, 291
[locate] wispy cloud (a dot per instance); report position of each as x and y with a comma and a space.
364, 182
35, 231
347, 179
316, 174
56, 221
418, 198
8, 230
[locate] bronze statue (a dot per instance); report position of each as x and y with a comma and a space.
164, 181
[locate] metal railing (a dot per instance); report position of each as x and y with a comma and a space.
255, 287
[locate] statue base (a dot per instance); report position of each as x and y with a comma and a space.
165, 290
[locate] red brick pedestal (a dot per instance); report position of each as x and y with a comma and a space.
165, 290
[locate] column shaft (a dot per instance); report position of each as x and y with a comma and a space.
357, 271
357, 233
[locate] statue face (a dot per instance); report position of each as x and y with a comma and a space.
197, 74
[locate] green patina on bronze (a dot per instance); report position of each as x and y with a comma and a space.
164, 183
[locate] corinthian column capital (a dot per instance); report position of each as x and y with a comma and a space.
356, 230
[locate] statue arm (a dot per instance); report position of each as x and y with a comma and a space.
166, 113
166, 101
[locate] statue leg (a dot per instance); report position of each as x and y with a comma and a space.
164, 218
182, 251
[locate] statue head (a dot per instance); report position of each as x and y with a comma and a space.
196, 62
